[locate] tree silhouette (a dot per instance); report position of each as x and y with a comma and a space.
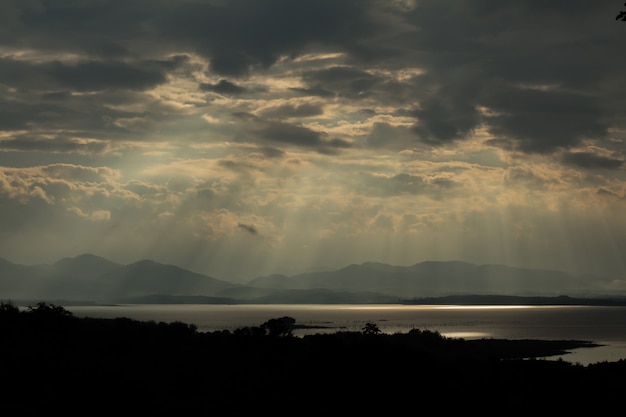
8, 307
49, 310
280, 327
370, 328
622, 15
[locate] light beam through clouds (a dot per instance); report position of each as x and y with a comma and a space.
244, 138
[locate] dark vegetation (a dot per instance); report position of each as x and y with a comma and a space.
53, 361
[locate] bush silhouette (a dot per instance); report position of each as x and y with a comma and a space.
280, 327
370, 328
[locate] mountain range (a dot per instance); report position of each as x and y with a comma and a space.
89, 278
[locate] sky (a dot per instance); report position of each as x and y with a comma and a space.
246, 137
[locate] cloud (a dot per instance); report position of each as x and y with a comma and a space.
408, 184
223, 87
339, 130
87, 75
97, 76
353, 83
384, 135
241, 36
609, 193
591, 160
345, 81
301, 136
440, 122
270, 152
293, 110
545, 121
314, 91
54, 144
248, 228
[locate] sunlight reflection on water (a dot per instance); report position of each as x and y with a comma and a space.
609, 352
603, 325
497, 307
466, 335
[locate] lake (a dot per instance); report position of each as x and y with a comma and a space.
599, 324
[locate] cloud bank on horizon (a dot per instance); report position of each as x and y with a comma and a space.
244, 137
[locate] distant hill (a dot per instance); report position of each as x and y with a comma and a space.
148, 277
92, 279
431, 279
509, 300
85, 265
89, 277
324, 296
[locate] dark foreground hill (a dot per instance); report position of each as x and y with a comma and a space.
55, 362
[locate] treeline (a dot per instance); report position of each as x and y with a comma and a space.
54, 361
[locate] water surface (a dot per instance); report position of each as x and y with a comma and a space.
599, 324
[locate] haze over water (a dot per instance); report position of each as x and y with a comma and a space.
603, 325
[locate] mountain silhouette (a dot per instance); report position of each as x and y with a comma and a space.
433, 278
149, 277
91, 278
85, 265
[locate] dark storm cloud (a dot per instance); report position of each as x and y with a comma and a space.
444, 183
236, 35
248, 228
288, 133
101, 29
316, 91
539, 76
289, 110
354, 83
23, 75
97, 76
56, 96
223, 87
27, 112
45, 98
52, 144
245, 117
241, 35
62, 117
544, 72
86, 76
591, 160
270, 152
544, 121
12, 117
295, 135
338, 143
441, 120
345, 81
